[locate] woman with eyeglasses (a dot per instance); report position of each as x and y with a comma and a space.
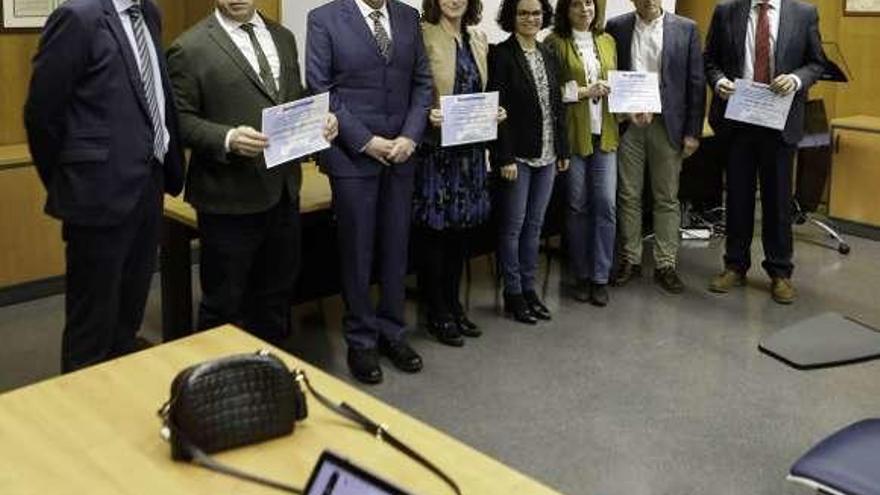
452, 193
531, 148
586, 54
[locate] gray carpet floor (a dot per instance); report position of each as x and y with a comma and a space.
653, 395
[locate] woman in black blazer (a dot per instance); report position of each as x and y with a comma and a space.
531, 147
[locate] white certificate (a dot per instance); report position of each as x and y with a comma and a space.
295, 129
470, 118
754, 103
634, 92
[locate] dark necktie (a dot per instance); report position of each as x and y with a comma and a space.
148, 79
265, 71
762, 45
382, 39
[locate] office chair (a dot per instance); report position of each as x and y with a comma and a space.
845, 463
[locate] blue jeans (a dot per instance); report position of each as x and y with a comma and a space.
523, 204
591, 222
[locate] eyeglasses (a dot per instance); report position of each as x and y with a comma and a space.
581, 5
524, 14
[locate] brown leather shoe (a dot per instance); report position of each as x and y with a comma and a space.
726, 280
626, 272
782, 290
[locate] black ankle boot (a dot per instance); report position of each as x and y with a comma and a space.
536, 306
516, 307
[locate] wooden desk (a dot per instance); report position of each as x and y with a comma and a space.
96, 432
855, 173
180, 227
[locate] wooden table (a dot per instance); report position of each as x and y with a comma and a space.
855, 173
180, 227
96, 432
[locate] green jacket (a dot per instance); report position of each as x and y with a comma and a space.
578, 114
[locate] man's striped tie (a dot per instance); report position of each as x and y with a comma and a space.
148, 79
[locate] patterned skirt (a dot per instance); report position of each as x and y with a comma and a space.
452, 187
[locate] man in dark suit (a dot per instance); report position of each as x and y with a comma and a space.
776, 42
225, 70
652, 40
369, 55
102, 130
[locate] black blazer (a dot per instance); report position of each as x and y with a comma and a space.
520, 135
86, 115
798, 51
216, 90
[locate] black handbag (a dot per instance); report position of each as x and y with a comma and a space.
249, 398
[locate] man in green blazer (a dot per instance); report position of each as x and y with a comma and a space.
224, 71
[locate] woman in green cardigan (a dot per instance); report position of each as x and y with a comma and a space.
586, 54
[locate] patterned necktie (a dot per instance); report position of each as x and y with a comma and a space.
148, 79
265, 71
382, 39
762, 44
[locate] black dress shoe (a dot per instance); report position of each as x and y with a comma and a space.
466, 327
581, 290
535, 305
402, 356
446, 332
668, 279
364, 365
599, 295
516, 307
626, 272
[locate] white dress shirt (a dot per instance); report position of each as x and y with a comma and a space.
647, 44
122, 9
583, 40
243, 42
366, 10
752, 28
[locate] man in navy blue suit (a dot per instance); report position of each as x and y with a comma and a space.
102, 130
369, 55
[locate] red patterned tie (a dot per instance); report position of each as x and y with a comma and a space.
762, 44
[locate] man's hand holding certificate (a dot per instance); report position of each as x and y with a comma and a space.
754, 103
634, 92
296, 129
469, 118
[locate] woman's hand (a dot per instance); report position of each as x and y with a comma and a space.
435, 117
562, 164
598, 89
508, 172
502, 115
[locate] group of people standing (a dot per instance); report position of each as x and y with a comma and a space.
108, 116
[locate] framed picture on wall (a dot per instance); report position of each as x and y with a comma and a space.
861, 7
27, 14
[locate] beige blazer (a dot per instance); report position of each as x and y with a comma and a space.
440, 48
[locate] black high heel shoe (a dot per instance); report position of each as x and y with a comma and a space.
516, 307
536, 306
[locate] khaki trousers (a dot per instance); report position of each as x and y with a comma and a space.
640, 148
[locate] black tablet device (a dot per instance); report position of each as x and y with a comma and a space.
334, 475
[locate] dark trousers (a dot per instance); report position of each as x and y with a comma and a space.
442, 253
373, 216
248, 267
109, 269
759, 155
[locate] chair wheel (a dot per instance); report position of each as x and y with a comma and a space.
843, 248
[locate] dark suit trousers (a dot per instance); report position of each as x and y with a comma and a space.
759, 155
248, 267
373, 215
109, 269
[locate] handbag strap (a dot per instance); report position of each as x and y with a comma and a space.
380, 431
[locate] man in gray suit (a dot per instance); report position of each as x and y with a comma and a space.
652, 40
225, 70
776, 42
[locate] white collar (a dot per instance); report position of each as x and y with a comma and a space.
122, 5
641, 24
774, 4
582, 35
231, 25
366, 10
